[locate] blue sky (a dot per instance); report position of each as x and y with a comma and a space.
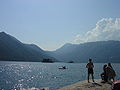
52, 23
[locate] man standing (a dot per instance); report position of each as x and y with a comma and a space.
90, 69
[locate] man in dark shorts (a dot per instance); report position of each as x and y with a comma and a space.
90, 69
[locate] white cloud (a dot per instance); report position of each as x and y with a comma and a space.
106, 29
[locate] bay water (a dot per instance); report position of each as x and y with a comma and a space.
17, 75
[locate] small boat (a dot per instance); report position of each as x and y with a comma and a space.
63, 67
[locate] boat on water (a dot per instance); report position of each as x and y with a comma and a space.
63, 67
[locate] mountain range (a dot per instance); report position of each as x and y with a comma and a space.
100, 51
12, 49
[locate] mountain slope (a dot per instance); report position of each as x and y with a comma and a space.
101, 51
12, 49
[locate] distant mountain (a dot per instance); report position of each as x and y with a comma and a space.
12, 49
100, 51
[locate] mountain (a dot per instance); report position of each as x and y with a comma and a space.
12, 49
100, 51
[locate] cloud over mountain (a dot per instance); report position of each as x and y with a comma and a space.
106, 29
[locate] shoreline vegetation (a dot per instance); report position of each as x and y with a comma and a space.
84, 85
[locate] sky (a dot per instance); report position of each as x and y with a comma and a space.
52, 23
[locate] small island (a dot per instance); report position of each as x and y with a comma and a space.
47, 60
71, 62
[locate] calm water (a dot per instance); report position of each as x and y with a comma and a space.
16, 75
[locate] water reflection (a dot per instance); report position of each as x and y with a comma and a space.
16, 75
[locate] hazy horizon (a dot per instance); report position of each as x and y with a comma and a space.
52, 23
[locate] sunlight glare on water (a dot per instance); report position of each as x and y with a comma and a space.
16, 75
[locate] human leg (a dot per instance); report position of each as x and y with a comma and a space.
92, 77
88, 77
102, 76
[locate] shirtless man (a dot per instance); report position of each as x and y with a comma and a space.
90, 69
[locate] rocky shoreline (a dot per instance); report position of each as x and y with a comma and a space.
84, 85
